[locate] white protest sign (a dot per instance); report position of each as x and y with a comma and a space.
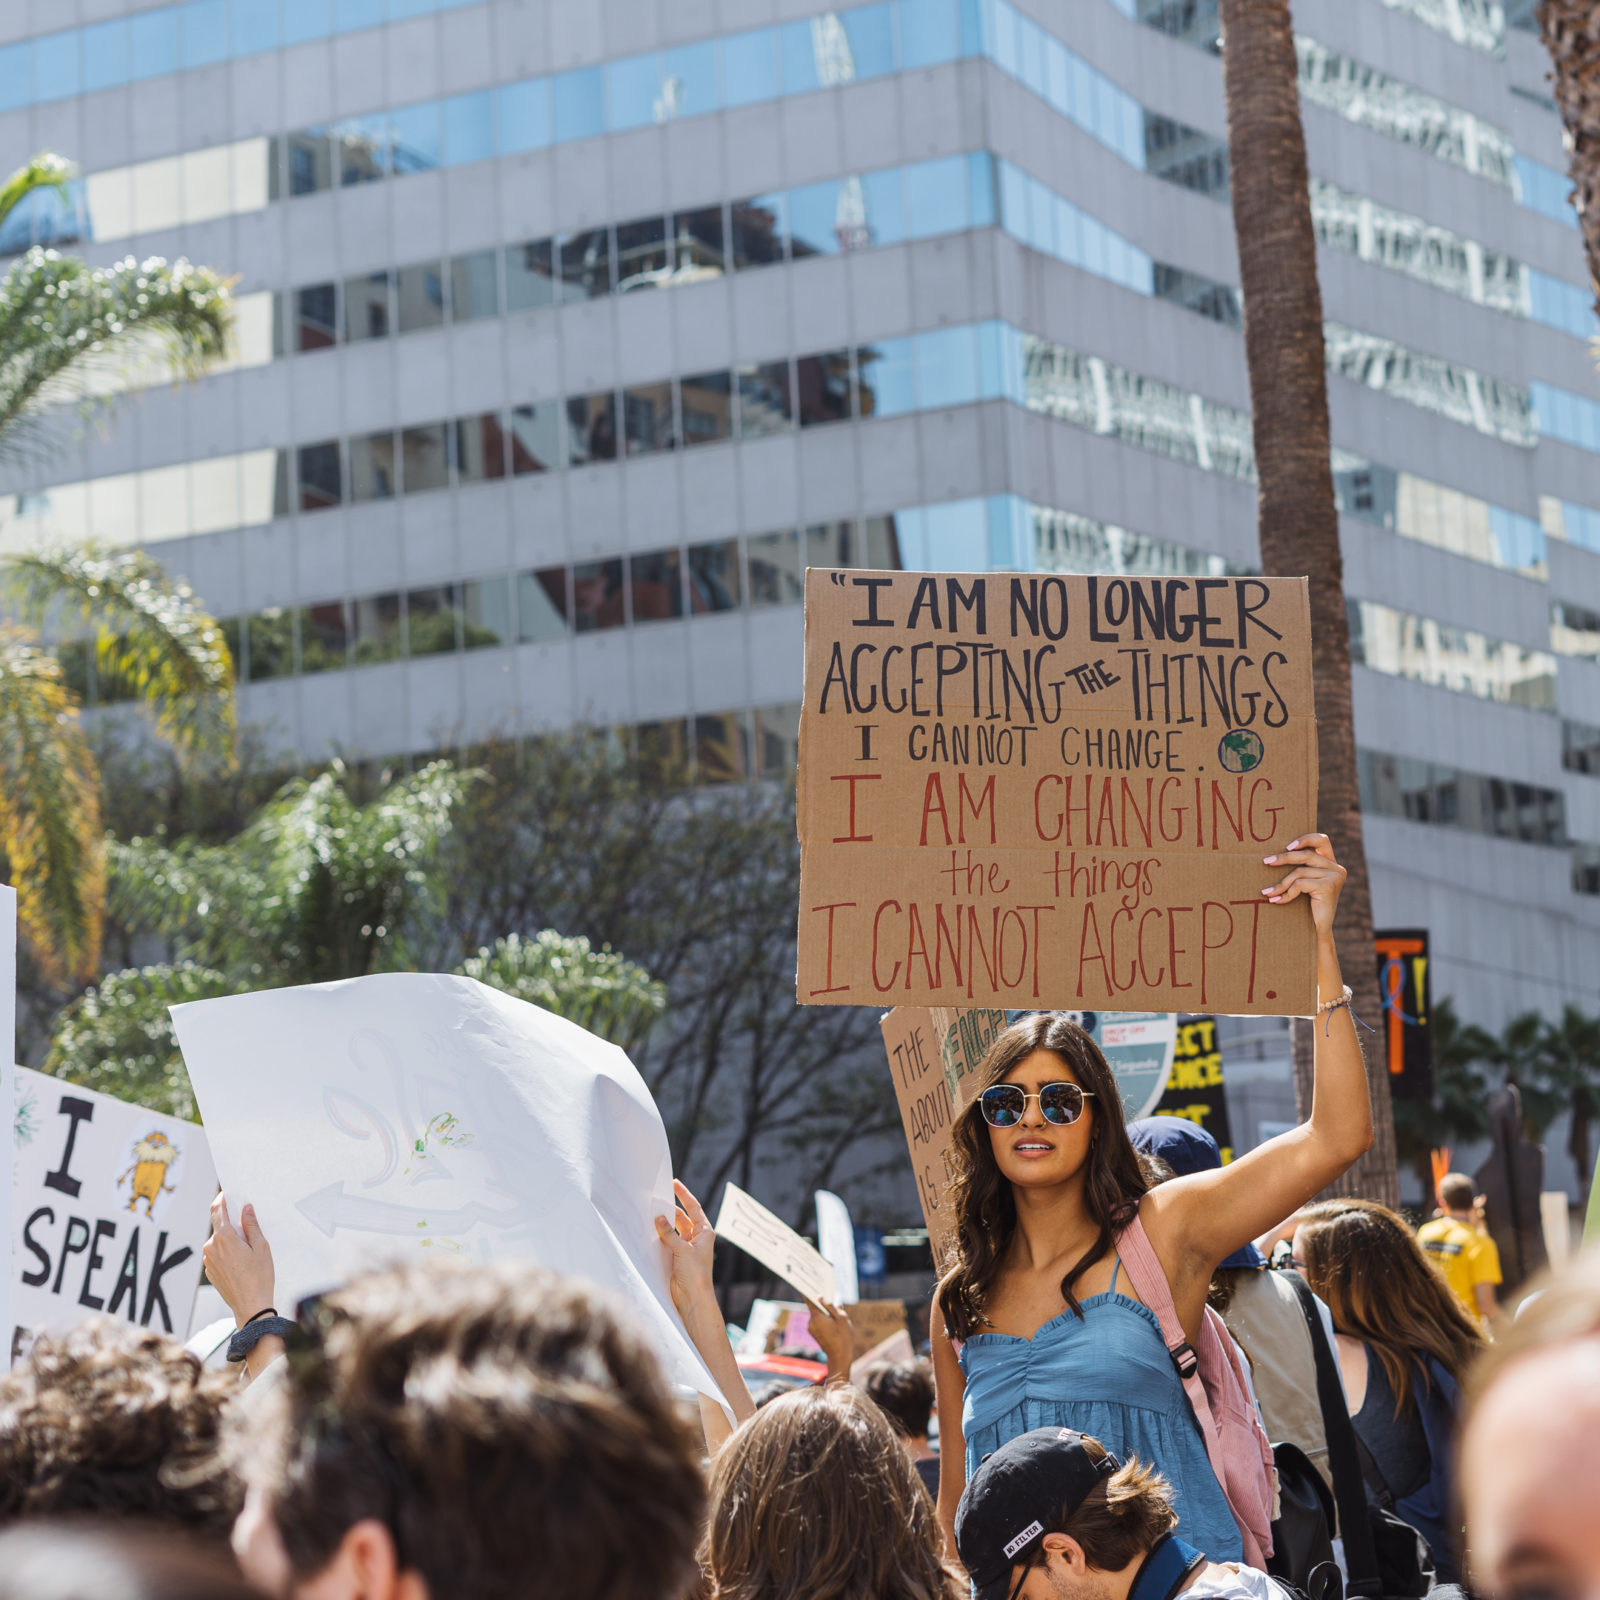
413, 1114
748, 1224
8, 1082
836, 1240
111, 1204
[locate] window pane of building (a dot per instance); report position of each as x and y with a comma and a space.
656, 581
468, 128
431, 620
688, 81
536, 437
823, 384
524, 115
701, 248
885, 373
707, 402
927, 33
1574, 630
632, 85
486, 613
759, 230
585, 260
714, 576
597, 595
578, 101
750, 67
319, 475
475, 286
366, 306
647, 419
480, 447
764, 402
1580, 748
819, 220
828, 544
425, 464
372, 467
377, 628
325, 636
662, 750
415, 131
778, 740
530, 275
722, 748
421, 296
643, 261
881, 545
363, 146
591, 429
315, 324
542, 609
269, 641
310, 159
774, 569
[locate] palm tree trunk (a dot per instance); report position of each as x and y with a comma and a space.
1297, 518
1571, 30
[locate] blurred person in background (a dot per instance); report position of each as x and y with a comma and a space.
77, 1560
1458, 1245
903, 1391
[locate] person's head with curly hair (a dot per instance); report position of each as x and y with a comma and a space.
114, 1420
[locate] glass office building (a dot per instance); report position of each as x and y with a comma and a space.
569, 334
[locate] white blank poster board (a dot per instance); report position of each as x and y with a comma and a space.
411, 1114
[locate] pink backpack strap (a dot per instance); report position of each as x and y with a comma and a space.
1149, 1280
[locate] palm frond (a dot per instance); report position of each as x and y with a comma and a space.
207, 901
152, 636
46, 171
49, 810
58, 314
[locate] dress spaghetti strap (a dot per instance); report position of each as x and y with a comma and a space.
1114, 1271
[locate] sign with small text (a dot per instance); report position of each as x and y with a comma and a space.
1194, 1088
1036, 791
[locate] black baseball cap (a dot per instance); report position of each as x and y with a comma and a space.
1024, 1490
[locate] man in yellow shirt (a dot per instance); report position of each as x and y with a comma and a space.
1461, 1251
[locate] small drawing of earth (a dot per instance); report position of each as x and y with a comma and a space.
1240, 750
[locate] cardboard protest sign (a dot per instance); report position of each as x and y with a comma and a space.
748, 1224
873, 1321
111, 1206
933, 1056
894, 1351
1195, 1089
1043, 791
411, 1114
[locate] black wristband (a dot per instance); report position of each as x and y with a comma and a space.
271, 1311
254, 1331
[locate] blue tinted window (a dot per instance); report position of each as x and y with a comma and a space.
880, 193
1041, 218
399, 10
204, 32
927, 32
936, 200
972, 14
870, 33
305, 19
1092, 245
1069, 232
814, 219
631, 88
798, 47
955, 536
947, 368
750, 67
886, 386
55, 66
578, 100
1030, 54
1518, 541
105, 55
1080, 91
980, 189
468, 128
153, 44
255, 26
1013, 200
1057, 74
348, 15
1005, 38
1000, 366
525, 116
689, 81
415, 131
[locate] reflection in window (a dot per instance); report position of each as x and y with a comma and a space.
714, 576
586, 262
765, 405
1447, 657
366, 306
591, 429
315, 324
543, 611
885, 375
530, 275
1574, 630
647, 419
643, 257
759, 231
880, 544
1572, 418
319, 475
1563, 519
774, 569
270, 644
536, 437
778, 741
1068, 542
309, 155
1580, 748
722, 748
707, 402
662, 751
431, 619
377, 628
425, 463
363, 147
1179, 154
1545, 190
701, 249
597, 599
656, 582
372, 467
468, 128
421, 297
474, 286
823, 385
480, 448
1201, 295
1420, 791
325, 633
486, 613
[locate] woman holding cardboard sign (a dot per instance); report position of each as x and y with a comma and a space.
1077, 1298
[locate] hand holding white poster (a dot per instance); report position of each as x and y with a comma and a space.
747, 1223
413, 1114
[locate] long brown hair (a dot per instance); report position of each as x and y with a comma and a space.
815, 1498
1366, 1265
986, 1208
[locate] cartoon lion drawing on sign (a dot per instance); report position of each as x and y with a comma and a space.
153, 1156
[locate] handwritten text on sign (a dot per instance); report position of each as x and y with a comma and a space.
1054, 791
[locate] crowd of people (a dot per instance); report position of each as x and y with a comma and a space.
1151, 1374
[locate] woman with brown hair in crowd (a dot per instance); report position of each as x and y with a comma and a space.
1405, 1344
1036, 1324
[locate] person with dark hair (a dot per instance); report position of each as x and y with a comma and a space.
1053, 1515
1036, 1322
450, 1431
113, 1420
1404, 1346
903, 1391
1460, 1248
78, 1560
816, 1497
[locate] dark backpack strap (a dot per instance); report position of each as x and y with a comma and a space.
1166, 1566
1344, 1461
